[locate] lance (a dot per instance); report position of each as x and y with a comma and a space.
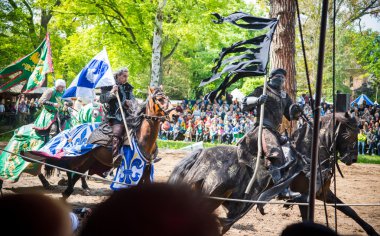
125, 123
259, 141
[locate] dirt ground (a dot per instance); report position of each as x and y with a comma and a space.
360, 185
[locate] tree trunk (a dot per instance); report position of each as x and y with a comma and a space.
156, 76
283, 45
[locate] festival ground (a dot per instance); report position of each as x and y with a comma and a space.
360, 185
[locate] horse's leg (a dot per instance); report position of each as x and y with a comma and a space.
73, 178
348, 211
84, 183
44, 182
70, 187
236, 210
1, 187
303, 209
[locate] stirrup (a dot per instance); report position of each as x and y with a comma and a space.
287, 194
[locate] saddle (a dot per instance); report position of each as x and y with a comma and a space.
103, 136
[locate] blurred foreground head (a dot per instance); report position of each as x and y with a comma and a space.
307, 228
155, 209
34, 215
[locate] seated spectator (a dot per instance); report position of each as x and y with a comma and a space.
228, 135
199, 131
176, 130
153, 209
179, 108
34, 215
166, 130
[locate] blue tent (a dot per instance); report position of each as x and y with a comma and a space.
359, 100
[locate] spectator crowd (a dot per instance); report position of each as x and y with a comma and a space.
220, 122
369, 125
224, 122
200, 120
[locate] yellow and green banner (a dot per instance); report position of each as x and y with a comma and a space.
31, 68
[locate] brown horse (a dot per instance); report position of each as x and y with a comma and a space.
217, 172
144, 125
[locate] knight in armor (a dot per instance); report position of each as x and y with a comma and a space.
49, 118
113, 111
277, 104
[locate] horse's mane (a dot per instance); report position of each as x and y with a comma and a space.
136, 112
135, 117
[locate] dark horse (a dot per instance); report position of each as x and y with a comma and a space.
144, 126
217, 172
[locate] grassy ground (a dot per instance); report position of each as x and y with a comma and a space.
369, 159
169, 144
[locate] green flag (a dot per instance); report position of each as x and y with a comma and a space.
32, 68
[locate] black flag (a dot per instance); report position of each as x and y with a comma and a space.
252, 54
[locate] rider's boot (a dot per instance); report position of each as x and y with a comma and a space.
116, 145
274, 167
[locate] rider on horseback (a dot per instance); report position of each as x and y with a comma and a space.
108, 96
49, 117
277, 104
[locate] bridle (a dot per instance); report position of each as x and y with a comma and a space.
165, 116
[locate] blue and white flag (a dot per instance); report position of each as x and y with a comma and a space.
97, 73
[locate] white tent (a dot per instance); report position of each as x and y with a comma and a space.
237, 94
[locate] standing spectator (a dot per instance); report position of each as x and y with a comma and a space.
220, 130
228, 135
32, 110
361, 142
199, 131
2, 111
189, 132
206, 133
22, 109
371, 142
176, 130
213, 132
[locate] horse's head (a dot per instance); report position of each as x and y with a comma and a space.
159, 104
347, 138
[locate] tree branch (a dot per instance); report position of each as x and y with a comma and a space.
171, 51
361, 13
13, 4
31, 27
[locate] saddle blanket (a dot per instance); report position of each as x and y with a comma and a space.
73, 142
131, 168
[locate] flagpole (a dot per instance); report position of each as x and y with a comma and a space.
259, 141
125, 123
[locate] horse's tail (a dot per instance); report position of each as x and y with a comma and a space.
183, 167
49, 171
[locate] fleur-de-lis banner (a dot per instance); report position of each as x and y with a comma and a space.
250, 57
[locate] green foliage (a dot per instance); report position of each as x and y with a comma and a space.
79, 29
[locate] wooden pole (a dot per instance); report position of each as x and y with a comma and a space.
317, 112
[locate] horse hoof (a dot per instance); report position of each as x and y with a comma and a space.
62, 182
49, 187
87, 192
